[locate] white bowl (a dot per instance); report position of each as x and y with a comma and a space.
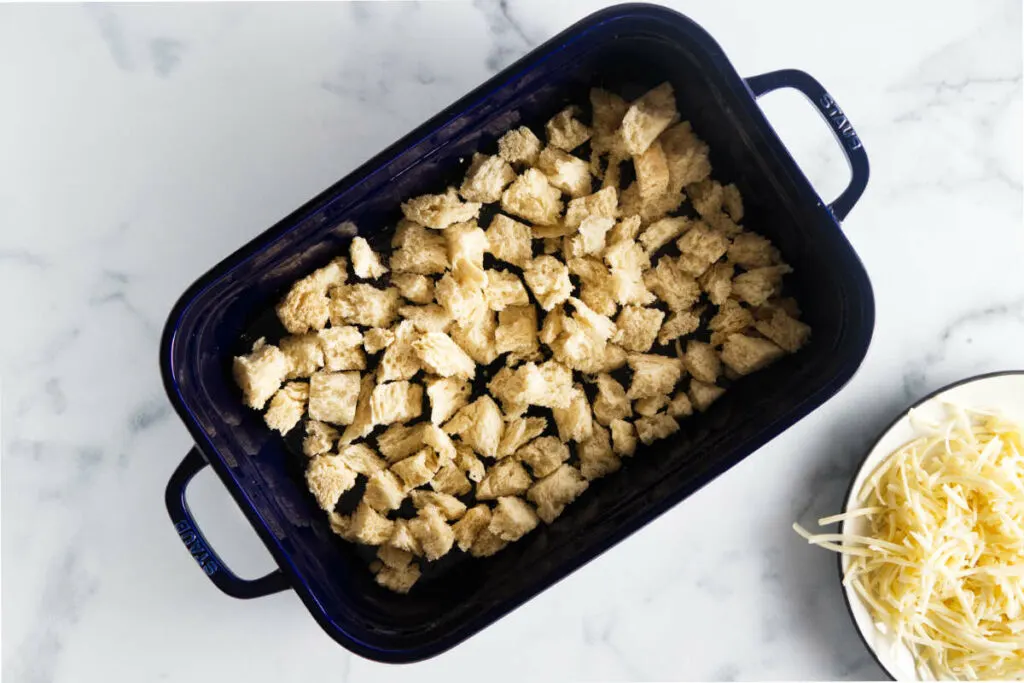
1003, 391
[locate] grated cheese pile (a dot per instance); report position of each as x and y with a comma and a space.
940, 558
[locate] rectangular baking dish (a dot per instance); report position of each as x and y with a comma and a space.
628, 49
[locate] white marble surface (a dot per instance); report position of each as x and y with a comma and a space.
140, 144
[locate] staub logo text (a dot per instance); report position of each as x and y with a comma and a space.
200, 553
839, 121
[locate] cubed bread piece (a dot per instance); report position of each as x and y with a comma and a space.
452, 480
518, 432
580, 350
649, 209
341, 525
303, 353
555, 491
395, 558
433, 533
365, 261
428, 318
480, 424
465, 303
510, 240
512, 519
590, 322
652, 175
659, 426
362, 459
418, 289
486, 179
653, 375
598, 288
402, 538
556, 323
532, 197
342, 348
370, 527
638, 327
478, 339
686, 155
418, 250
660, 233
398, 580
400, 361
467, 461
730, 318
672, 284
446, 395
760, 284
548, 385
505, 289
384, 491
700, 247
333, 396
476, 519
436, 438
627, 255
732, 201
487, 544
287, 406
744, 355
680, 406
400, 441
519, 146
602, 204
717, 282
260, 373
611, 402
565, 131
438, 211
507, 387
466, 241
702, 395
569, 174
702, 361
361, 424
306, 307
679, 324
377, 339
418, 469
363, 304
607, 110
787, 332
517, 333
626, 229
650, 405
750, 250
548, 279
451, 508
589, 239
396, 402
327, 478
623, 438
507, 478
442, 356
647, 117
596, 457
574, 422
627, 286
543, 455
320, 438
707, 197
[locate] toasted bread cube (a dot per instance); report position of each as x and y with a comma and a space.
543, 455
400, 361
649, 209
370, 527
555, 491
647, 117
361, 424
659, 426
287, 406
446, 395
327, 478
638, 327
450, 507
464, 303
548, 279
418, 289
306, 307
574, 422
607, 110
398, 580
476, 519
341, 525
628, 287
707, 197
438, 211
363, 304
596, 456
507, 478
480, 424
652, 175
398, 441
626, 229
396, 402
731, 318
602, 204
579, 350
507, 386
418, 250
569, 174
384, 491
467, 461
512, 519
303, 353
466, 241
703, 395
623, 438
428, 318
486, 179
392, 557
679, 324
452, 480
611, 402
650, 405
685, 154
342, 348
744, 355
599, 293
519, 146
590, 239
717, 282
594, 324
660, 233
518, 432
672, 284
402, 538
478, 339
320, 438
362, 459
680, 406
517, 332
441, 356
333, 396
505, 289
260, 373
700, 247
653, 375
433, 532
487, 544
566, 132
787, 332
510, 240
365, 261
702, 361
379, 338
418, 469
532, 197
627, 255
750, 250
732, 201
760, 284
548, 385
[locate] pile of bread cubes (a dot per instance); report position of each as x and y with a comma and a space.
612, 312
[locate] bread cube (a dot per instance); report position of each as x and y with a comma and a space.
661, 232
466, 242
303, 353
590, 322
400, 361
465, 303
700, 247
333, 396
680, 406
370, 527
512, 519
480, 425
652, 175
638, 327
519, 146
433, 532
569, 174
418, 469
450, 507
418, 250
702, 395
548, 279
398, 579
486, 179
653, 375
732, 200
438, 211
396, 402
507, 478
566, 132
518, 432
602, 204
555, 491
452, 480
327, 478
362, 459
548, 385
589, 239
574, 422
361, 424
626, 229
596, 457
510, 240
647, 117
478, 339
671, 283
607, 110
650, 405
611, 402
476, 519
287, 406
384, 491
505, 289
320, 438
660, 426
260, 373
366, 262
363, 304
399, 441
789, 333
650, 209
342, 348
702, 361
379, 338
446, 395
685, 154
623, 438
543, 455
744, 355
341, 525
418, 289
717, 282
730, 318
516, 333
760, 284
306, 307
679, 324
441, 356
750, 250
428, 318
487, 544
467, 461
402, 539
532, 197
627, 255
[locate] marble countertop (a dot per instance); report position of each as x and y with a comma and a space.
140, 144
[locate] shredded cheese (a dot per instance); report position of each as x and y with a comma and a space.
939, 555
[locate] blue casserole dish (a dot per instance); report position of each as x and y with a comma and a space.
628, 49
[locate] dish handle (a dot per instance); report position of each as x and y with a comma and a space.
204, 555
838, 122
